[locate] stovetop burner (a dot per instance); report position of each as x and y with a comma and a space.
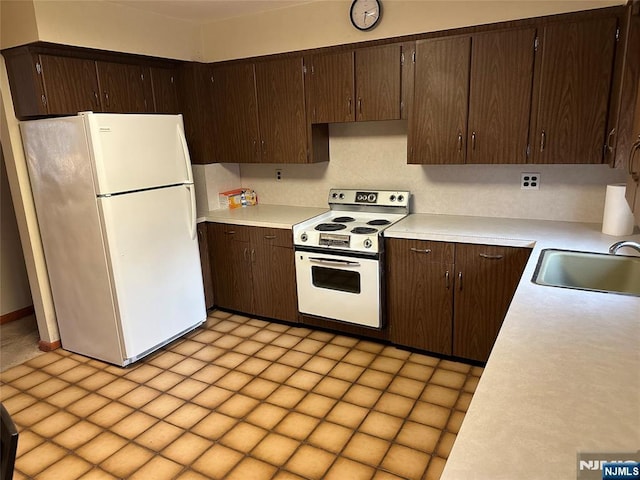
364, 230
378, 221
343, 219
330, 227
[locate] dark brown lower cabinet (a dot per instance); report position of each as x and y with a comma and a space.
420, 294
450, 298
205, 263
253, 270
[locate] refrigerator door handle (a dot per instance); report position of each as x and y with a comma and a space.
185, 152
192, 213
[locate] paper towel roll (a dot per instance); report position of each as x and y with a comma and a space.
617, 218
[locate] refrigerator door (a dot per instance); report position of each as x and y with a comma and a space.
155, 265
135, 152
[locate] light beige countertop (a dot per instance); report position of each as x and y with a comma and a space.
273, 216
564, 374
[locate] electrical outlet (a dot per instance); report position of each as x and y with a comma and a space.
278, 174
530, 181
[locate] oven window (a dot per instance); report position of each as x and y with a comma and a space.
334, 279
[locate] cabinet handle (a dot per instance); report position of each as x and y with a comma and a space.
446, 278
263, 150
543, 140
106, 97
44, 99
95, 95
255, 147
270, 237
244, 254
491, 257
635, 175
230, 232
473, 140
253, 255
360, 105
460, 281
608, 146
349, 105
417, 250
459, 141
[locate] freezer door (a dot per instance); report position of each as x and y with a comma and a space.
155, 265
134, 151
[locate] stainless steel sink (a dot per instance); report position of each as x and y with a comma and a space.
598, 272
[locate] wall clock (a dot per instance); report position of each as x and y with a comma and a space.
365, 14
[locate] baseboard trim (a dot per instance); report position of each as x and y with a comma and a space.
16, 315
48, 346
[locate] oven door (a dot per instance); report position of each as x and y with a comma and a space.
339, 287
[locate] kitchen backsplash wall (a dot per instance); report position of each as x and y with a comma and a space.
211, 179
373, 155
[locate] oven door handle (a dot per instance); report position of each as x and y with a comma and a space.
334, 262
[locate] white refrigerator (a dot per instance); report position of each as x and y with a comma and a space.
115, 203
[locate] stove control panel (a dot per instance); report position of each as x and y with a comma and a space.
383, 198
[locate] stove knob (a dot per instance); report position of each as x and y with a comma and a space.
304, 237
392, 198
401, 198
334, 195
367, 243
341, 196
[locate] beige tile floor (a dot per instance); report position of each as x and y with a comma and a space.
240, 399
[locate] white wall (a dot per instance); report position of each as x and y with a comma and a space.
373, 154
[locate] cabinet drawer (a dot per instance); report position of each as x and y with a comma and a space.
437, 252
276, 237
230, 232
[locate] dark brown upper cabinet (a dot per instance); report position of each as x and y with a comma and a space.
195, 94
438, 118
124, 88
357, 85
281, 110
574, 65
235, 114
55, 72
165, 92
500, 96
471, 98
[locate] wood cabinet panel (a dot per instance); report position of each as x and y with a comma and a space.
330, 84
281, 111
236, 135
165, 94
500, 96
438, 118
205, 263
59, 73
274, 276
486, 279
420, 294
378, 82
573, 76
124, 88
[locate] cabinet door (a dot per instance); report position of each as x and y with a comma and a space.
229, 250
281, 112
205, 263
571, 94
235, 112
123, 88
58, 74
486, 279
500, 96
330, 86
438, 118
165, 95
196, 98
274, 275
378, 83
420, 294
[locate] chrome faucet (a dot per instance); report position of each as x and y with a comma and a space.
624, 243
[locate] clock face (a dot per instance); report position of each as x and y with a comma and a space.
365, 14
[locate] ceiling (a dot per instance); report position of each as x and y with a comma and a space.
202, 11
